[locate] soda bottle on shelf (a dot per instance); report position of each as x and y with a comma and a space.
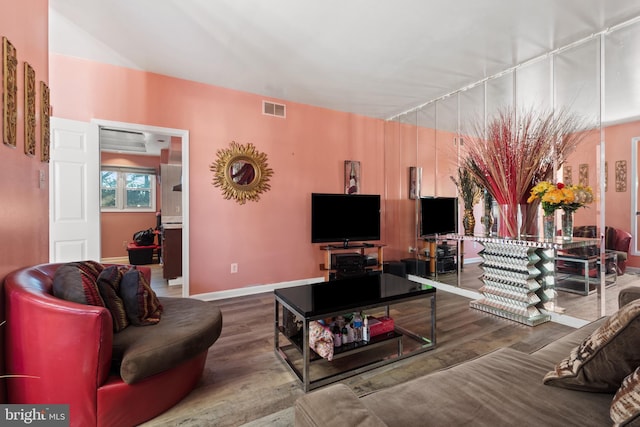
357, 327
365, 330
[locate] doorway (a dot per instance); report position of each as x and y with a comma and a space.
168, 146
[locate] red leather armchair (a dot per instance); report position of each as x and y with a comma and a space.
67, 347
615, 239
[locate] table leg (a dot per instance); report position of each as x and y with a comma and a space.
276, 329
305, 355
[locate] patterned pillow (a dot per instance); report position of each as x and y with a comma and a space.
109, 287
625, 407
605, 357
321, 340
140, 301
76, 281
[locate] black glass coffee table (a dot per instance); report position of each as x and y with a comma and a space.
414, 327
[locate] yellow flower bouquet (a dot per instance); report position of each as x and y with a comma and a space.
559, 196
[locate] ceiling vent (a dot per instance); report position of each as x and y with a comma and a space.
122, 141
273, 109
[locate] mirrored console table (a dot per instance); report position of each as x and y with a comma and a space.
519, 275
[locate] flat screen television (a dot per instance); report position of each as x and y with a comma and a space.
438, 215
344, 218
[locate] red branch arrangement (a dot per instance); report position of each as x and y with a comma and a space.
517, 150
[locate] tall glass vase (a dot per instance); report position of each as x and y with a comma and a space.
567, 225
549, 226
508, 221
529, 216
487, 218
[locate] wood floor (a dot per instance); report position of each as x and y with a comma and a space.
245, 381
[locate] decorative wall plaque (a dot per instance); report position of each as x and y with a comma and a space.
10, 92
351, 177
45, 122
567, 173
621, 175
584, 175
415, 182
29, 110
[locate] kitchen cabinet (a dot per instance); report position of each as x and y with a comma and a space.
171, 251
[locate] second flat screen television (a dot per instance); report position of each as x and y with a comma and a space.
344, 218
438, 215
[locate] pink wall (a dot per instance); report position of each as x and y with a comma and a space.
117, 227
24, 220
270, 240
618, 205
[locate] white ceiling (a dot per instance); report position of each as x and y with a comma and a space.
370, 57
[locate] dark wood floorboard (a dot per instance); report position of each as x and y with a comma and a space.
244, 380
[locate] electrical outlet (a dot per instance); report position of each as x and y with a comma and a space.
124, 243
234, 267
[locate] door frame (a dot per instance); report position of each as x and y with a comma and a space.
635, 209
184, 134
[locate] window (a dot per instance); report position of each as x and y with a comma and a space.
127, 189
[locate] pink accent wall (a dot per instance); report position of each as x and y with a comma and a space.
270, 239
618, 147
24, 213
117, 227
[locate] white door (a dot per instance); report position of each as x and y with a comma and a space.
74, 188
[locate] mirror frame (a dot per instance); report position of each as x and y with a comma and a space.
223, 178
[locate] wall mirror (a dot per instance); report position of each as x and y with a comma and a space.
241, 172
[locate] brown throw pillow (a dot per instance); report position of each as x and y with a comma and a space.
140, 301
77, 282
625, 407
605, 357
109, 287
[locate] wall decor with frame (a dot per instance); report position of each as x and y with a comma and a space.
415, 182
45, 122
10, 92
621, 175
351, 177
567, 175
29, 110
583, 172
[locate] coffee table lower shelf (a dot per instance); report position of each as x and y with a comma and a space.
351, 360
350, 348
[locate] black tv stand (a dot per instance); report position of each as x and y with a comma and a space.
362, 249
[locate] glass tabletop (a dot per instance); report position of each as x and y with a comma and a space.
349, 294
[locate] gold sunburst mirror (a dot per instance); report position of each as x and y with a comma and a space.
241, 172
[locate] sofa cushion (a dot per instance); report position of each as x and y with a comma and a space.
625, 407
502, 388
140, 301
77, 282
334, 406
605, 357
188, 328
109, 287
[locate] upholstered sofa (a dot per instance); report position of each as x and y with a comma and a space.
615, 240
65, 352
507, 387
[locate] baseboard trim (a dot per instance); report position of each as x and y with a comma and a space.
257, 289
447, 288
